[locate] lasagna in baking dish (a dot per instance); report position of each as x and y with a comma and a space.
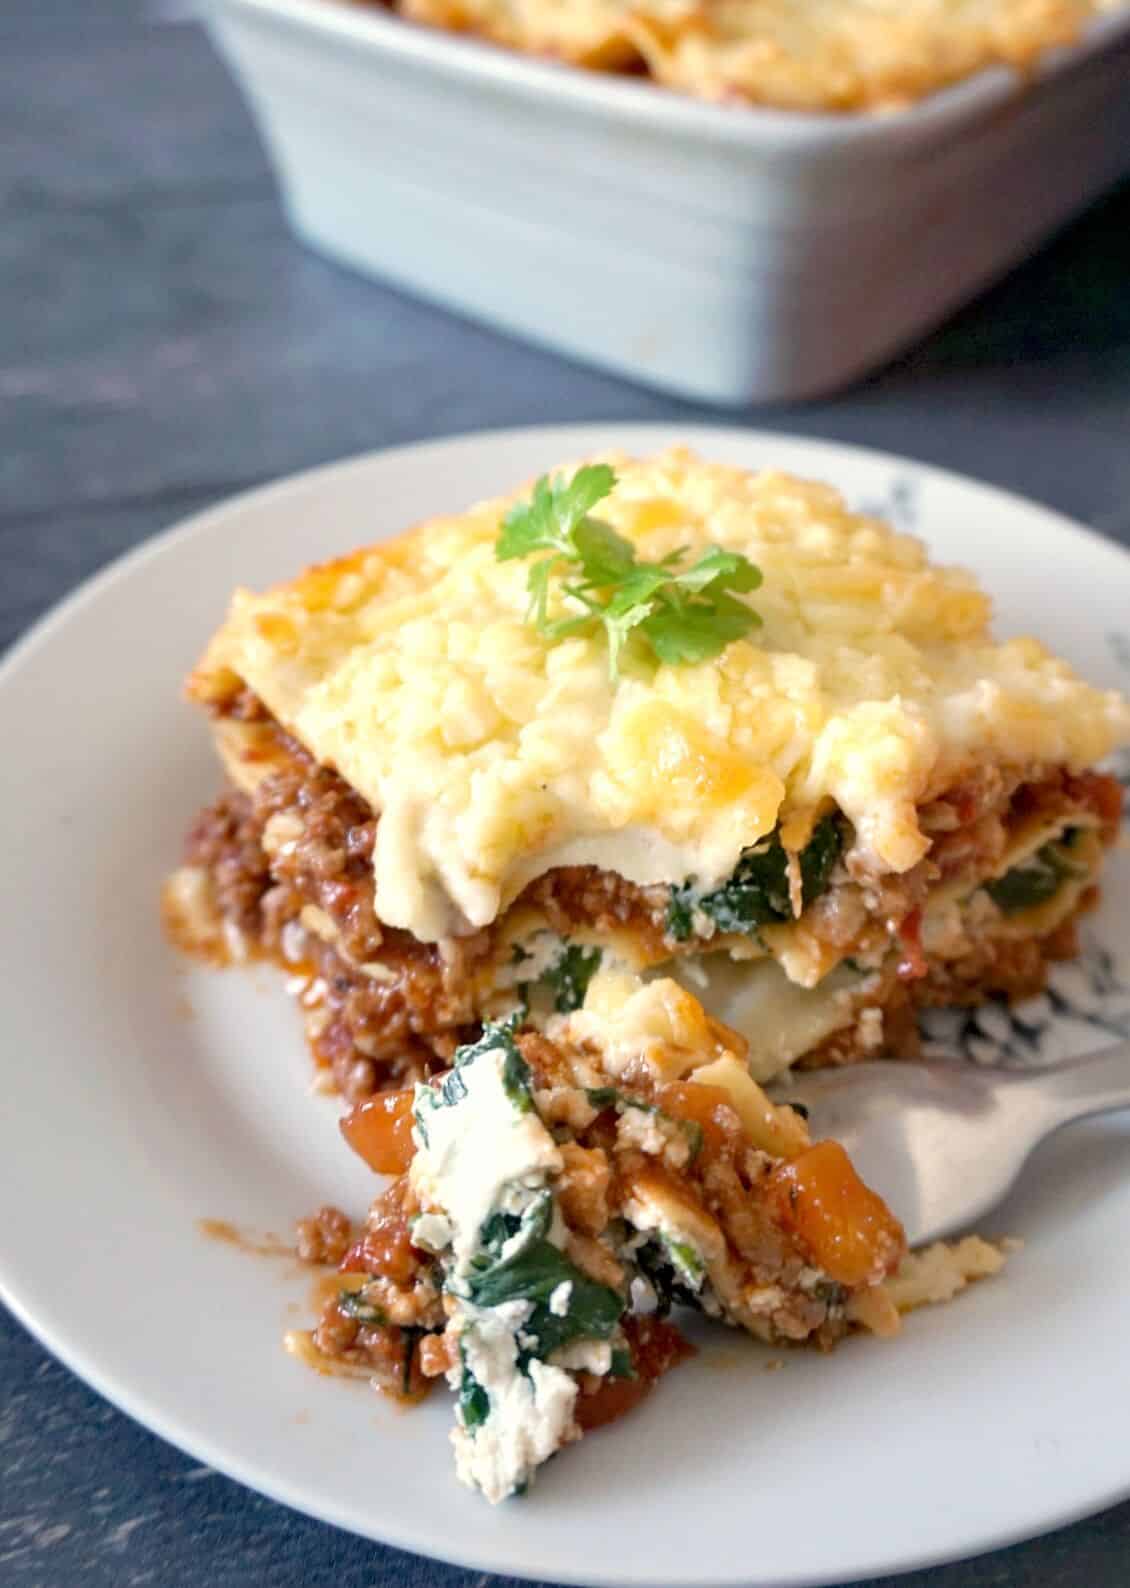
815, 55
648, 719
563, 1199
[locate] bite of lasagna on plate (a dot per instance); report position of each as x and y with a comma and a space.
654, 718
558, 1194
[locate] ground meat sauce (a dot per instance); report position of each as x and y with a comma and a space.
1007, 968
777, 1217
224, 841
319, 836
379, 1314
726, 1179
324, 1237
603, 901
290, 867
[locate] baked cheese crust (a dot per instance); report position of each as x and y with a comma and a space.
493, 755
839, 55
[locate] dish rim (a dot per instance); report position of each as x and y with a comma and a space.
765, 129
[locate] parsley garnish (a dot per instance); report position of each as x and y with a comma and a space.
685, 614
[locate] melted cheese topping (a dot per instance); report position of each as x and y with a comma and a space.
493, 755
796, 54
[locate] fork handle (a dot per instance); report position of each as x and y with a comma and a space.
1098, 1083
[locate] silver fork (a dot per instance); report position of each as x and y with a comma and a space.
943, 1142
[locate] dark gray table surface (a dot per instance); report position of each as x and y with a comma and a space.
164, 342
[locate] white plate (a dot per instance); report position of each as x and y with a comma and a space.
126, 1119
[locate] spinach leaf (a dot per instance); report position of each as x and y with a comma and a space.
686, 1262
594, 1314
674, 1271
497, 1036
1036, 880
651, 1260
474, 1402
354, 1305
499, 1228
532, 1274
758, 892
693, 1132
410, 1337
818, 857
452, 1091
622, 1365
516, 1079
496, 1231
569, 977
680, 912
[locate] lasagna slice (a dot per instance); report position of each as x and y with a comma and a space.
464, 781
559, 1194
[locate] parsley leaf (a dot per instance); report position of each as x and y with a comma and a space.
546, 522
684, 614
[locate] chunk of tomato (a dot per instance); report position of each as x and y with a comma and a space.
380, 1131
843, 1226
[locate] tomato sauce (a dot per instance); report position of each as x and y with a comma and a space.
656, 1347
386, 1248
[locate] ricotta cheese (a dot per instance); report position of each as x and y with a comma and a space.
482, 1149
531, 1412
479, 1154
559, 1299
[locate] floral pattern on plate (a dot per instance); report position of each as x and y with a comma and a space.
1086, 1004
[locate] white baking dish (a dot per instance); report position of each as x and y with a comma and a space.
726, 253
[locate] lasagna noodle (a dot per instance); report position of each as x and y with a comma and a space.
382, 1007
